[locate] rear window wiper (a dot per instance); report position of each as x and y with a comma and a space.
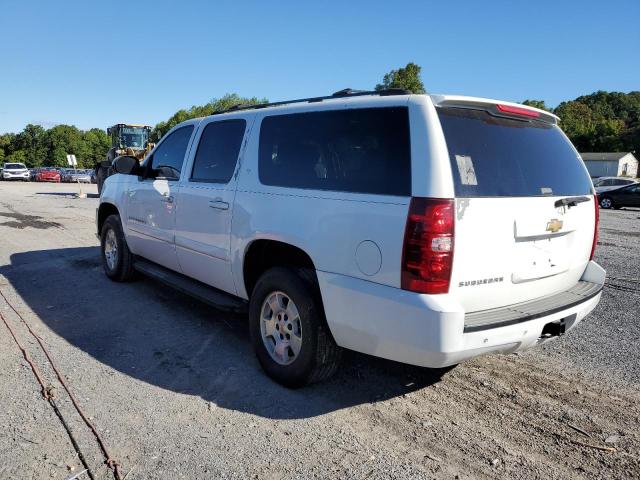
571, 201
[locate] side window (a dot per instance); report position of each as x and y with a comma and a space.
218, 151
168, 158
355, 150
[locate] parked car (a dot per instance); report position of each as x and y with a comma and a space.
15, 171
604, 184
628, 196
80, 176
48, 175
65, 174
425, 229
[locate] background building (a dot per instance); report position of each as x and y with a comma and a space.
611, 164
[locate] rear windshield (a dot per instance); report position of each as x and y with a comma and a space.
502, 157
14, 166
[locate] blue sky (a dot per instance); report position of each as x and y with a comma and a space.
93, 64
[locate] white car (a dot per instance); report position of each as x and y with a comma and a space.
605, 184
15, 171
426, 229
80, 176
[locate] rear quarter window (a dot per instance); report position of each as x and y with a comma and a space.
502, 157
352, 150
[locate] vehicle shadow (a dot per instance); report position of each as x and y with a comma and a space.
169, 340
68, 194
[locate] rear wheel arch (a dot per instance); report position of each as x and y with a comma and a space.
263, 254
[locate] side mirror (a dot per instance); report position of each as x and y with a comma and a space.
126, 165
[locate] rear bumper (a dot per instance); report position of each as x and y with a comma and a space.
429, 330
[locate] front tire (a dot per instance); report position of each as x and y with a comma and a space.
288, 329
117, 260
606, 202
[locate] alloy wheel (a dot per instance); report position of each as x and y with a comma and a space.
281, 328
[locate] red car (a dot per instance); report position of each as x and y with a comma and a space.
48, 175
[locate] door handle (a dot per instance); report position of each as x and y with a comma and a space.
219, 204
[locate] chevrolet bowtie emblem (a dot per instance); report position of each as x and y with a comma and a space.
554, 225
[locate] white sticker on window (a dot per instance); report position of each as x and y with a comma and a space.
466, 170
546, 191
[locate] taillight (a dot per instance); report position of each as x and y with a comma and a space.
525, 112
427, 255
595, 227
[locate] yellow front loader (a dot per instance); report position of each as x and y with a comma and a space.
126, 139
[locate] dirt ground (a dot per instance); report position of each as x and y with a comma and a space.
175, 391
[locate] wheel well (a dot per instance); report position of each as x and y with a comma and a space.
265, 254
104, 211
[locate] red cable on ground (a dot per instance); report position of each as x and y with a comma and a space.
109, 461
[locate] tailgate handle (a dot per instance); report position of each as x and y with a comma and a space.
571, 201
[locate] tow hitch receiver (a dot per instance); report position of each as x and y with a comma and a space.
559, 327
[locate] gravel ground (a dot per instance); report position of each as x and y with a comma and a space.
174, 389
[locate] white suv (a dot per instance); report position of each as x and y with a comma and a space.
15, 171
425, 229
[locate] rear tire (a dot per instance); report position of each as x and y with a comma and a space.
288, 301
117, 260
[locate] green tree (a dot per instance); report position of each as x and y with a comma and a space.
407, 78
576, 118
602, 121
537, 104
6, 145
216, 105
63, 140
19, 156
31, 142
97, 143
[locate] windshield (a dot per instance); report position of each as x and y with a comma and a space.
14, 166
134, 137
503, 157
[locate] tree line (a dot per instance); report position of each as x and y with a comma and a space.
38, 147
599, 122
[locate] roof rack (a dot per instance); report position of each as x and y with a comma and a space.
347, 92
